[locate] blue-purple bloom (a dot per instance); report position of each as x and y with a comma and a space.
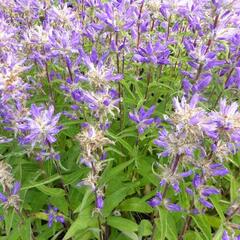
205, 203
217, 169
54, 216
99, 201
11, 199
142, 118
225, 236
153, 53
173, 207
41, 127
118, 16
207, 191
156, 201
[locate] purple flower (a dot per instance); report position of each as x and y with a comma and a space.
202, 83
153, 53
16, 188
117, 17
189, 191
195, 211
197, 181
12, 199
156, 201
205, 203
54, 216
217, 169
175, 186
227, 121
207, 191
99, 74
186, 174
142, 118
3, 198
225, 236
41, 126
172, 207
227, 115
102, 103
99, 202
186, 85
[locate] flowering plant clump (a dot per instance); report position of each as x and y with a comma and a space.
120, 119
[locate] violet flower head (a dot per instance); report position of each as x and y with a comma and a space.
54, 216
99, 202
13, 199
3, 198
118, 16
228, 115
102, 103
142, 118
156, 201
153, 53
99, 199
197, 181
225, 236
173, 180
227, 120
207, 191
217, 169
203, 191
41, 127
205, 203
190, 124
99, 74
173, 207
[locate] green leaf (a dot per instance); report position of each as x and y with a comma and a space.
125, 144
82, 222
233, 189
214, 221
41, 215
85, 201
131, 235
25, 230
161, 225
56, 192
171, 226
113, 149
218, 235
61, 203
215, 202
9, 221
202, 223
122, 224
45, 181
56, 236
145, 228
115, 171
135, 205
114, 199
190, 235
74, 176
